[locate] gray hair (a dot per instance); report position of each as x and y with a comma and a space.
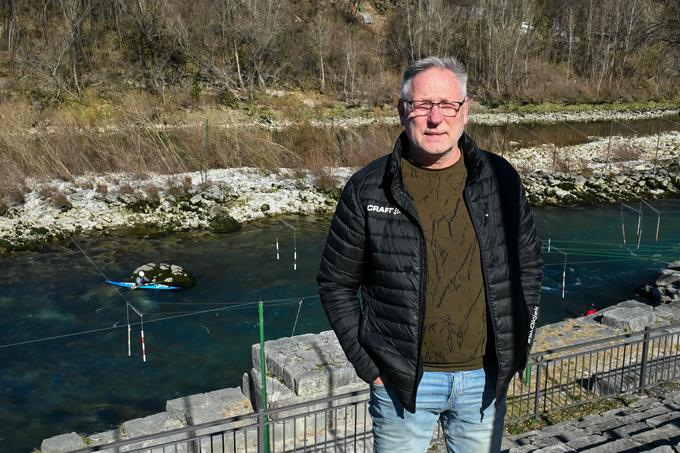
450, 63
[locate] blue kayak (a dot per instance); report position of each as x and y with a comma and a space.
146, 286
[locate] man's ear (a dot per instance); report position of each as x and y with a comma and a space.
403, 116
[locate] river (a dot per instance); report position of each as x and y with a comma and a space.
63, 335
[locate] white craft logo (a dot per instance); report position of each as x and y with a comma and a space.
386, 210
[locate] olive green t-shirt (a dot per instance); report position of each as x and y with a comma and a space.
455, 309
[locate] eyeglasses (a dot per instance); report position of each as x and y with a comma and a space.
423, 108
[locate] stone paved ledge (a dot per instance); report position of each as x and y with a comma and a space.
649, 423
646, 424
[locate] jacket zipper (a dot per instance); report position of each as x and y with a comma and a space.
421, 298
484, 271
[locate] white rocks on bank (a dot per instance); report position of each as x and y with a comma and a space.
486, 119
219, 200
174, 203
599, 155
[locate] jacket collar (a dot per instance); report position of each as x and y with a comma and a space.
471, 156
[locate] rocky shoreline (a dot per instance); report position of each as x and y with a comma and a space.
220, 200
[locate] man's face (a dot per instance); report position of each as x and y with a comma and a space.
434, 137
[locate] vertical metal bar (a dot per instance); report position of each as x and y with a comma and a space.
643, 369
573, 386
284, 434
263, 373
611, 358
622, 367
366, 418
356, 425
260, 430
665, 355
345, 441
545, 384
537, 393
589, 370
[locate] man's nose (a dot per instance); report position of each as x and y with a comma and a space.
435, 117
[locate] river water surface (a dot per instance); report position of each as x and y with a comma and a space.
63, 335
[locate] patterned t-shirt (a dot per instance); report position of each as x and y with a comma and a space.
455, 312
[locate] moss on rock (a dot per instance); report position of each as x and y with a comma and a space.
169, 274
222, 222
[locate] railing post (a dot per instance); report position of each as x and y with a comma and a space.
537, 393
643, 367
261, 420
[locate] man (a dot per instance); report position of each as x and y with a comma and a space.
439, 240
140, 280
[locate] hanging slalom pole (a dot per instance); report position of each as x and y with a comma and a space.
623, 228
639, 224
564, 276
129, 329
297, 316
548, 245
639, 218
263, 374
141, 318
294, 243
658, 218
143, 345
564, 269
277, 248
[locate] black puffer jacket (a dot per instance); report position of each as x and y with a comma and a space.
376, 244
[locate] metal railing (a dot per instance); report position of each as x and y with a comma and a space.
558, 378
587, 372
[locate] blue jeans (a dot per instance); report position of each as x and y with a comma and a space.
462, 401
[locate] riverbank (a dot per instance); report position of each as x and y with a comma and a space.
603, 170
219, 200
479, 114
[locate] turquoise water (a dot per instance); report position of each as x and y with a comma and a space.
199, 339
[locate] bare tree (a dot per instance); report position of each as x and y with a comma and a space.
320, 40
75, 13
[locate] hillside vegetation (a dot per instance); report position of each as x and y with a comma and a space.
521, 50
88, 85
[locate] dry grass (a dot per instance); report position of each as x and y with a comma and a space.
53, 196
71, 143
623, 152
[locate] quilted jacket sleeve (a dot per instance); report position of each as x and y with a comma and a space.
340, 274
530, 262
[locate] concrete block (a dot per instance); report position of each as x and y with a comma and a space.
208, 407
62, 443
307, 364
153, 424
633, 319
